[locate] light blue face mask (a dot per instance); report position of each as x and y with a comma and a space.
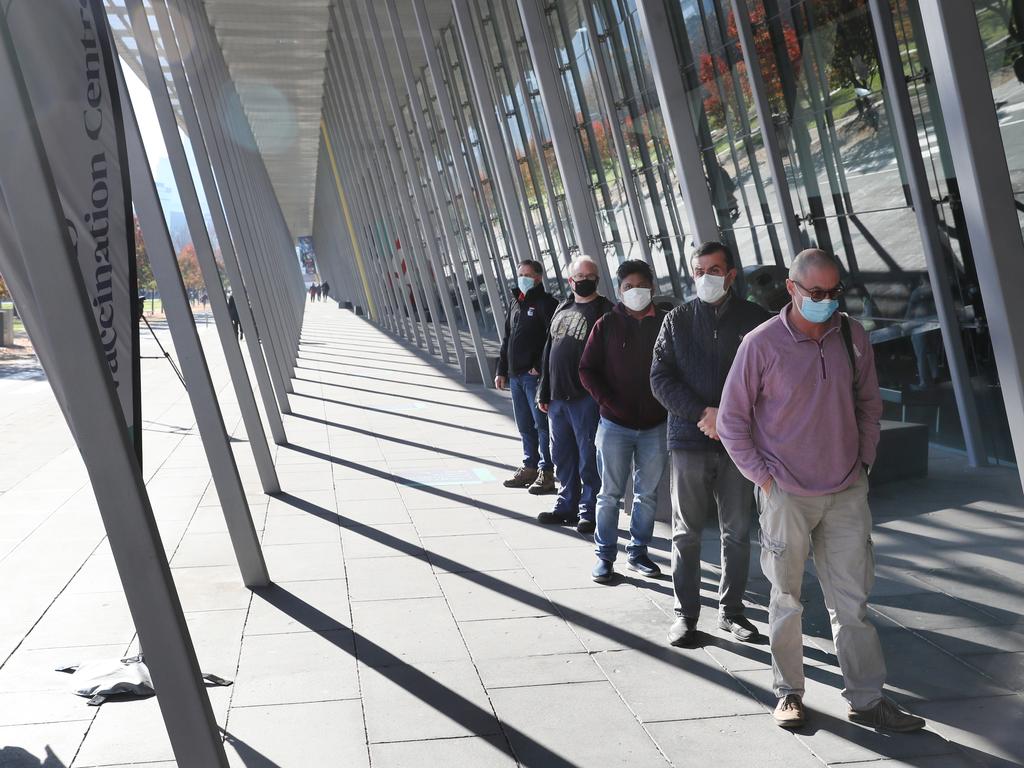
817, 311
526, 283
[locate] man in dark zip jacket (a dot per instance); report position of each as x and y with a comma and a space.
692, 358
526, 330
572, 412
615, 369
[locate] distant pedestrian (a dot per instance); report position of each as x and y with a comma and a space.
312, 292
572, 413
316, 291
692, 358
526, 330
325, 288
800, 417
616, 371
233, 314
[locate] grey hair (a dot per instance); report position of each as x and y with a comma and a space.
811, 258
581, 259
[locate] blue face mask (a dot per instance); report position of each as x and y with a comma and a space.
526, 283
817, 311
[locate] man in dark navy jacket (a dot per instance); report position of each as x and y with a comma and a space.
692, 358
526, 330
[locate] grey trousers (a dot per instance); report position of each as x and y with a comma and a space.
838, 527
703, 481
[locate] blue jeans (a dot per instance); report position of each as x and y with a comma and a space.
620, 450
531, 421
573, 429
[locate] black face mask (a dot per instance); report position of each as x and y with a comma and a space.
584, 288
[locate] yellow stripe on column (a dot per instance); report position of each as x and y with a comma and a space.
348, 220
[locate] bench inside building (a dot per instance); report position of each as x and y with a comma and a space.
902, 452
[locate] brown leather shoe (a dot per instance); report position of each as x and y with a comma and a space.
789, 712
544, 484
523, 478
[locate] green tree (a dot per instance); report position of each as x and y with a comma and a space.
143, 270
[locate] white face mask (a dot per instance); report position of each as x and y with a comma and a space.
637, 299
710, 288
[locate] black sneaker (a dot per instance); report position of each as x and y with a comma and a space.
585, 525
555, 518
683, 633
643, 565
603, 571
740, 628
886, 716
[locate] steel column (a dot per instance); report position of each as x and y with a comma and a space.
675, 109
197, 226
440, 199
986, 194
568, 153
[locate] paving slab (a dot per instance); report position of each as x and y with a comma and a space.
413, 588
700, 689
495, 595
474, 552
520, 637
406, 632
431, 700
735, 742
475, 751
831, 736
304, 562
990, 730
539, 670
299, 606
390, 579
535, 718
449, 521
49, 744
321, 734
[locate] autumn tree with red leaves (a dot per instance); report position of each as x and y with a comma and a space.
721, 88
188, 263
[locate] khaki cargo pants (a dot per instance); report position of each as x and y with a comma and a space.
838, 528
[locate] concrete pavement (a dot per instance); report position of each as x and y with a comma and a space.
420, 617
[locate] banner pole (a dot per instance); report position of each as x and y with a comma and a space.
70, 351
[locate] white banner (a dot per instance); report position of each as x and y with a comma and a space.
63, 48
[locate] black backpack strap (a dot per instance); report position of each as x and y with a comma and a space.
844, 328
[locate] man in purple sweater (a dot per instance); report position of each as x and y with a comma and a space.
800, 418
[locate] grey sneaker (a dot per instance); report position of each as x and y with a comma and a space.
886, 716
740, 628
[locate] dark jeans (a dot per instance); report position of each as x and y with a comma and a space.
573, 428
701, 482
531, 421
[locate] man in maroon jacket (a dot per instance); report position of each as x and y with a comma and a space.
615, 370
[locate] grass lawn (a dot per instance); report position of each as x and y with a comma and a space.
19, 327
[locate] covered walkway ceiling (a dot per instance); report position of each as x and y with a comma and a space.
276, 54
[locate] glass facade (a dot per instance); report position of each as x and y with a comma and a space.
838, 164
